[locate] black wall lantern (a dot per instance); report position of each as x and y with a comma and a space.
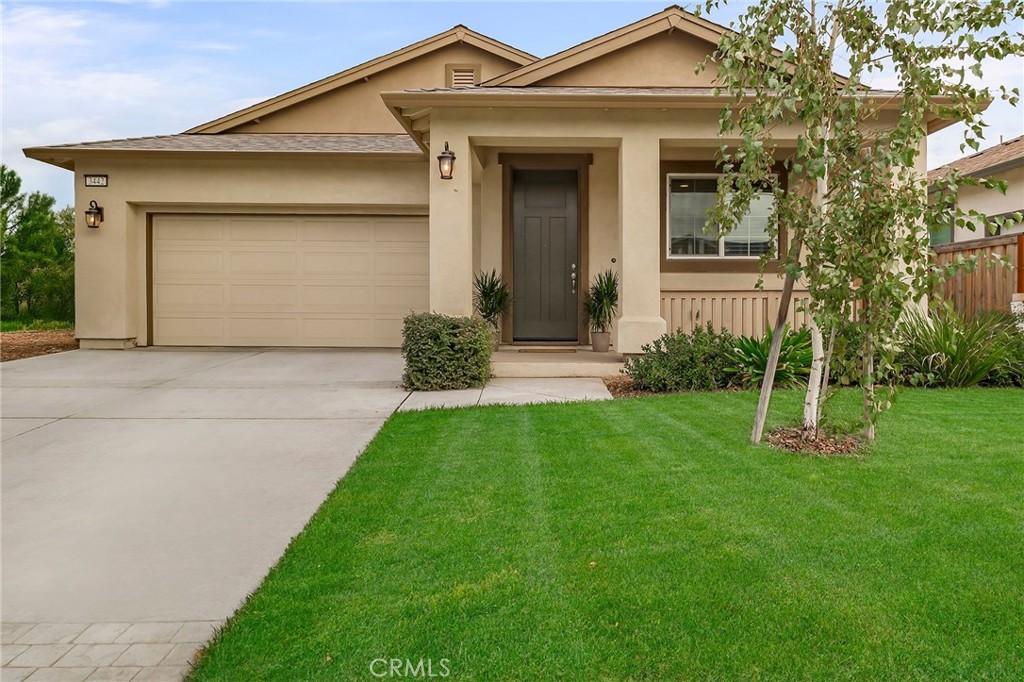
93, 214
446, 162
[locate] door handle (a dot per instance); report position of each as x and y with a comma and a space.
573, 278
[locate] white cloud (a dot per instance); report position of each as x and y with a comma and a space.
71, 76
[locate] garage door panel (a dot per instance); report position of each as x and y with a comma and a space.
389, 328
265, 263
337, 297
188, 296
406, 232
401, 264
263, 294
177, 330
263, 330
338, 231
351, 329
335, 262
188, 228
189, 262
404, 298
263, 230
287, 280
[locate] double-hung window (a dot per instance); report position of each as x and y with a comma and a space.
689, 198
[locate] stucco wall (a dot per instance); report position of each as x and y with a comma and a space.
663, 60
991, 202
110, 273
358, 108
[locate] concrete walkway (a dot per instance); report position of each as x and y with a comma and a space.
512, 392
146, 493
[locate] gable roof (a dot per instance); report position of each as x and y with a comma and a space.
1003, 155
669, 19
457, 34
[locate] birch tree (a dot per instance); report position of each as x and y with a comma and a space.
857, 210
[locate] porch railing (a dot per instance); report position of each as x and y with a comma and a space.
739, 311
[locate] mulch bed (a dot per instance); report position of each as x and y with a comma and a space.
622, 387
796, 439
18, 345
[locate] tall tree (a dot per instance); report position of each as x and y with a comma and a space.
858, 211
38, 256
11, 203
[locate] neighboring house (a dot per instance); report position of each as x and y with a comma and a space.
1005, 161
319, 217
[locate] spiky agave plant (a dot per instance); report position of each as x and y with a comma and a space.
750, 359
491, 297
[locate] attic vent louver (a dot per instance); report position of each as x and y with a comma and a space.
463, 78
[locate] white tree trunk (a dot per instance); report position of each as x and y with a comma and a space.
814, 380
825, 373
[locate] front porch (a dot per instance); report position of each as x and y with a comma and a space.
545, 361
551, 193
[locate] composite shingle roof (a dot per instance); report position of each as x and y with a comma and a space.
1001, 154
253, 143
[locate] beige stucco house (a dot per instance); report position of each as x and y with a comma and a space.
1004, 161
319, 217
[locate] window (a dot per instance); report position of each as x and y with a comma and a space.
689, 198
943, 235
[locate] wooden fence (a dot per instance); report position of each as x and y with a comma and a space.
991, 285
741, 311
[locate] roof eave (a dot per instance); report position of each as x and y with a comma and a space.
471, 98
65, 157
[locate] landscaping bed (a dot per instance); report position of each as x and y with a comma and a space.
646, 539
27, 344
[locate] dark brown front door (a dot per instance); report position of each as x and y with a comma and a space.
545, 246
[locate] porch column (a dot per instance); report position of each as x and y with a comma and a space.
639, 226
451, 227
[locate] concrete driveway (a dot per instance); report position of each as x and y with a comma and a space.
146, 493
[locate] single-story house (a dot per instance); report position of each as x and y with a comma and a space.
1004, 161
320, 217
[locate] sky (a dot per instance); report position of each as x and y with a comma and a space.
78, 71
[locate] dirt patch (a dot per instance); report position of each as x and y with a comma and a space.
18, 345
796, 439
622, 387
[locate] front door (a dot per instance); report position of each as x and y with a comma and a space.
545, 238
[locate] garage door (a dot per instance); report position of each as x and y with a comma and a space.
244, 280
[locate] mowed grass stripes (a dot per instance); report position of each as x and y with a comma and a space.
645, 539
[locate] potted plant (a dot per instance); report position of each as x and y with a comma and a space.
600, 305
491, 298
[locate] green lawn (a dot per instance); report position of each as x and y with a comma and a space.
644, 539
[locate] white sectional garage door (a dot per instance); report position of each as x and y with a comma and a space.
268, 280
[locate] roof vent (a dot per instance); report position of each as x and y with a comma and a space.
463, 77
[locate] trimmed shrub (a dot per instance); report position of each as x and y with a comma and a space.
949, 351
750, 359
446, 353
683, 362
